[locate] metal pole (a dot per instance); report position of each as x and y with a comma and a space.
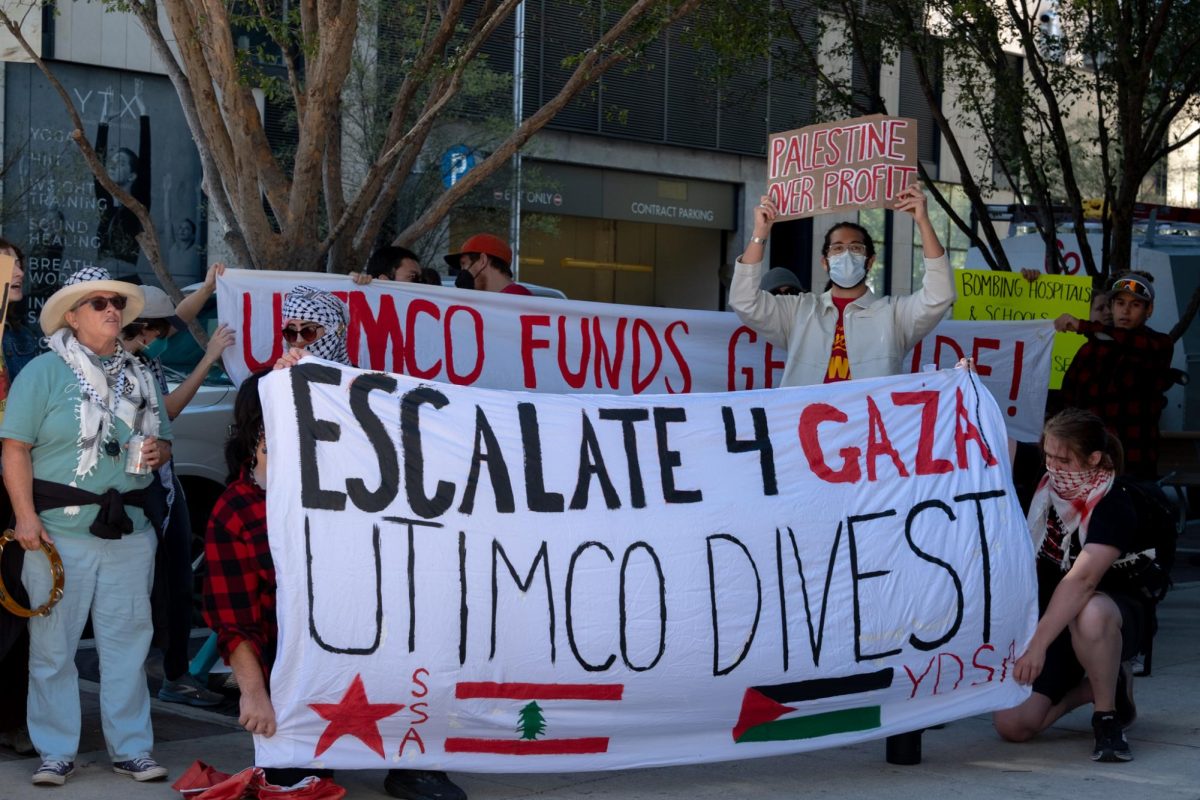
514, 223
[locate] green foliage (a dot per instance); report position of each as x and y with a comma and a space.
1062, 108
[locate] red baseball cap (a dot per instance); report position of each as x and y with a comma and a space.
482, 243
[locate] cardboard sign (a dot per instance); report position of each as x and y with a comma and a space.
538, 344
494, 581
857, 163
1000, 295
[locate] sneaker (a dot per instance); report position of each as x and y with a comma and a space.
421, 784
1126, 710
1110, 739
18, 740
187, 690
142, 768
53, 772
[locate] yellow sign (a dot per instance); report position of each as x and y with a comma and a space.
997, 295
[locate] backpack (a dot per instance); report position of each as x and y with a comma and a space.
1146, 577
1146, 573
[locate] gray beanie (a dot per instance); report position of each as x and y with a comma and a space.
778, 277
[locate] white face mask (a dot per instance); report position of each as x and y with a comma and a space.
847, 269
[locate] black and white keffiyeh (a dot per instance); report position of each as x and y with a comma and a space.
314, 305
119, 388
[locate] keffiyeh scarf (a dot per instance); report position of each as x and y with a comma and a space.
119, 388
314, 305
1074, 496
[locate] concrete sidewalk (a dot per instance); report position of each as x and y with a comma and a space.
963, 760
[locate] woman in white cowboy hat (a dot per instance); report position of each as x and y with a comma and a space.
69, 422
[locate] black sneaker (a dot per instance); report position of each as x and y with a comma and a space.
1110, 739
188, 691
53, 772
142, 768
421, 784
1126, 710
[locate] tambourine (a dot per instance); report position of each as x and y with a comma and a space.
56, 572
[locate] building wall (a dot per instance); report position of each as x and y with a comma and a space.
85, 34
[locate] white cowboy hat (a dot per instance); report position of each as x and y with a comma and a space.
159, 306
89, 280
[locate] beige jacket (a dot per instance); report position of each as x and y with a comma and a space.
879, 330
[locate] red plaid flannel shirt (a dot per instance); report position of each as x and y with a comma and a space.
239, 587
1122, 379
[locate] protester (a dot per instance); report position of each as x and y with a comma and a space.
780, 280
21, 344
1088, 627
430, 276
395, 263
21, 341
847, 331
173, 572
1122, 372
74, 413
486, 261
1101, 308
314, 323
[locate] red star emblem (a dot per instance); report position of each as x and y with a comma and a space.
354, 715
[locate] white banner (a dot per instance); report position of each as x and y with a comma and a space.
497, 341
500, 581
1013, 361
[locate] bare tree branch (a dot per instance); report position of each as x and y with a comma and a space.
596, 61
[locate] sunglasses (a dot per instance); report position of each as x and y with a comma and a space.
1134, 287
100, 303
159, 326
307, 334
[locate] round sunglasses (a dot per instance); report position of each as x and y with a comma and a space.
306, 334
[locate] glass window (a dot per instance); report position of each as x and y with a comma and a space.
875, 220
950, 235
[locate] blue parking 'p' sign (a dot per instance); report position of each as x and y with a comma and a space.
456, 162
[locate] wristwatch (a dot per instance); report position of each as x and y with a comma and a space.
758, 239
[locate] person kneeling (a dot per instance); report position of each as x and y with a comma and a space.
1088, 627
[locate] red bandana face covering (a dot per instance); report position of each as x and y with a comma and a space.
1074, 495
1075, 485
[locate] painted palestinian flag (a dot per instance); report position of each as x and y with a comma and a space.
765, 708
529, 718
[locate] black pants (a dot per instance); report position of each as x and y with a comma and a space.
14, 678
172, 593
14, 634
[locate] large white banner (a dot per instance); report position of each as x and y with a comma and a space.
537, 344
501, 581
